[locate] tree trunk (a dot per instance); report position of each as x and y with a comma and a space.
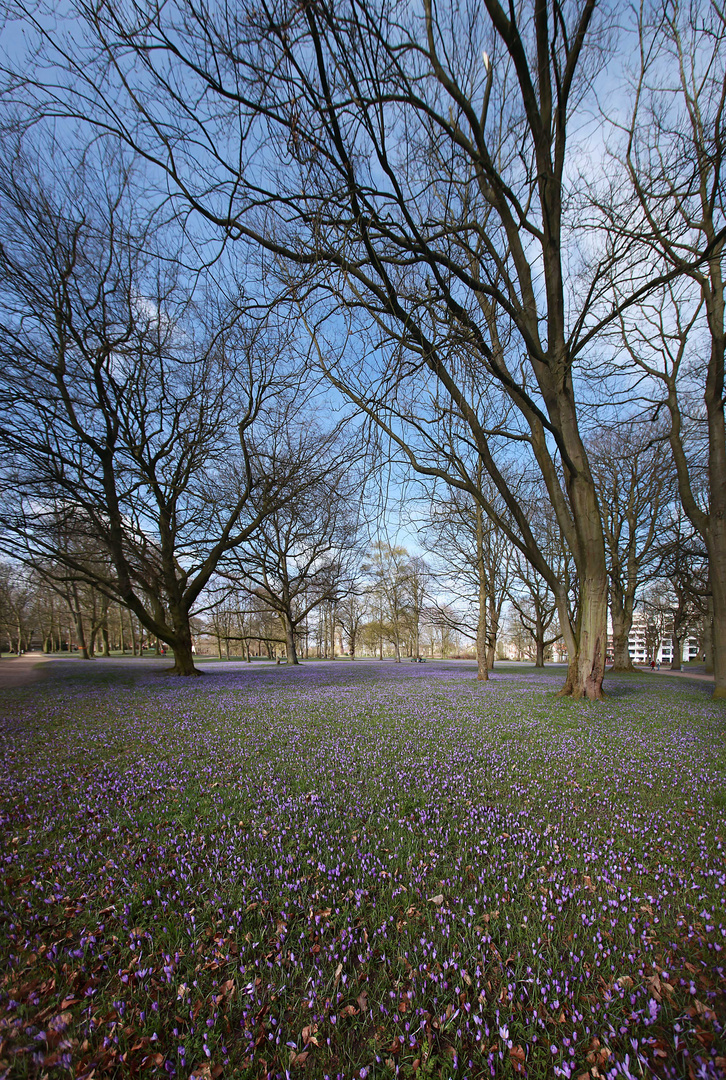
291, 651
708, 635
492, 634
80, 635
182, 644
586, 647
622, 625
104, 638
717, 575
539, 643
183, 659
482, 661
676, 651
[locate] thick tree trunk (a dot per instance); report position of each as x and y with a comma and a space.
717, 574
707, 642
183, 659
622, 625
182, 645
106, 650
586, 667
676, 651
291, 651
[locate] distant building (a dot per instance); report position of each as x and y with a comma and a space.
638, 644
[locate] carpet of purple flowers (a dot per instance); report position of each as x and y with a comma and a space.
353, 871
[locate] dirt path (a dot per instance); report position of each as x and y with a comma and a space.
21, 670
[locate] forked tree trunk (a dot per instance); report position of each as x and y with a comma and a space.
587, 641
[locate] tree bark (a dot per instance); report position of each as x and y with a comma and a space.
586, 667
539, 642
482, 659
622, 625
717, 573
708, 635
81, 635
290, 649
676, 651
181, 643
492, 633
183, 659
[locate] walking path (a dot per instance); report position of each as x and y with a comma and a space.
681, 674
21, 670
31, 667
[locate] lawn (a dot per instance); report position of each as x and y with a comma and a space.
366, 870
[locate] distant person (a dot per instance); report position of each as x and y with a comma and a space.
652, 665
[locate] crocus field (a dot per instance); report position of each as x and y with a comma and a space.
360, 870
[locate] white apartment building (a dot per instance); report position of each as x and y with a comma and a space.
637, 645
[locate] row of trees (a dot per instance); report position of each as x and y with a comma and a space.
485, 259
306, 575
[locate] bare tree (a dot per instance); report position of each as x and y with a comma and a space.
412, 168
16, 606
684, 562
675, 222
532, 599
633, 474
297, 558
475, 559
389, 569
129, 400
353, 608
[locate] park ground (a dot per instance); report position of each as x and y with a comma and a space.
359, 870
